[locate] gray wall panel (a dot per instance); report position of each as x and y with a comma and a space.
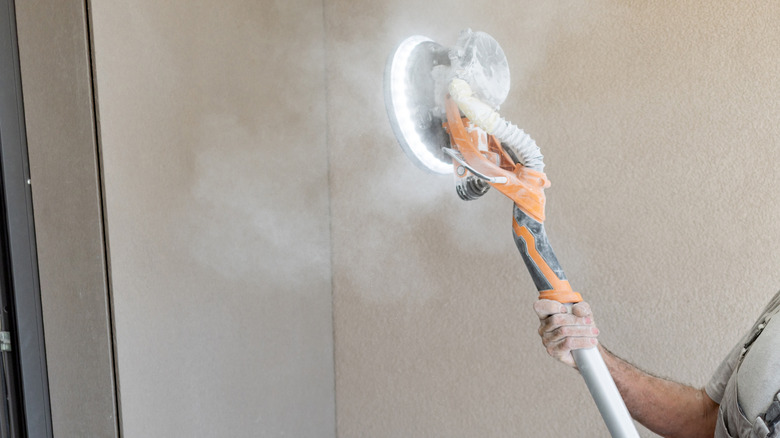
54, 56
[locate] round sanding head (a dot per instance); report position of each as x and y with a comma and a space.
411, 104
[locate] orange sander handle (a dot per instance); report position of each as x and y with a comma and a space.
526, 188
539, 258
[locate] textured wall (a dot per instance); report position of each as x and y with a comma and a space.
658, 121
212, 121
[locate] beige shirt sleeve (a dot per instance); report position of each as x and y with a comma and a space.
717, 384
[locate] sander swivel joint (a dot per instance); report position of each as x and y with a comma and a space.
443, 108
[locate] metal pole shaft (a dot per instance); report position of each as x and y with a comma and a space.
605, 393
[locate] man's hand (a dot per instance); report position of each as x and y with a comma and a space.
663, 406
562, 331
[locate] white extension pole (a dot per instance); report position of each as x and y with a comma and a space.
605, 393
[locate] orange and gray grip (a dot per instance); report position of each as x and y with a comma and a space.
539, 258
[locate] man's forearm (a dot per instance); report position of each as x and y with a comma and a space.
667, 408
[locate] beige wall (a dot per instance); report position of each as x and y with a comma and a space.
212, 123
658, 121
658, 124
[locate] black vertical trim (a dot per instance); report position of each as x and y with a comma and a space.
27, 336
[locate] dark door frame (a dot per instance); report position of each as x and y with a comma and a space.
27, 337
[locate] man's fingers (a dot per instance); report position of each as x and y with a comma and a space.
545, 308
569, 331
581, 309
553, 322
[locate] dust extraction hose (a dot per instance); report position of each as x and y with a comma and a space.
481, 114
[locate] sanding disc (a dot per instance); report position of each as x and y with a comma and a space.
410, 91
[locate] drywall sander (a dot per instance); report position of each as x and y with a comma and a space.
442, 104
